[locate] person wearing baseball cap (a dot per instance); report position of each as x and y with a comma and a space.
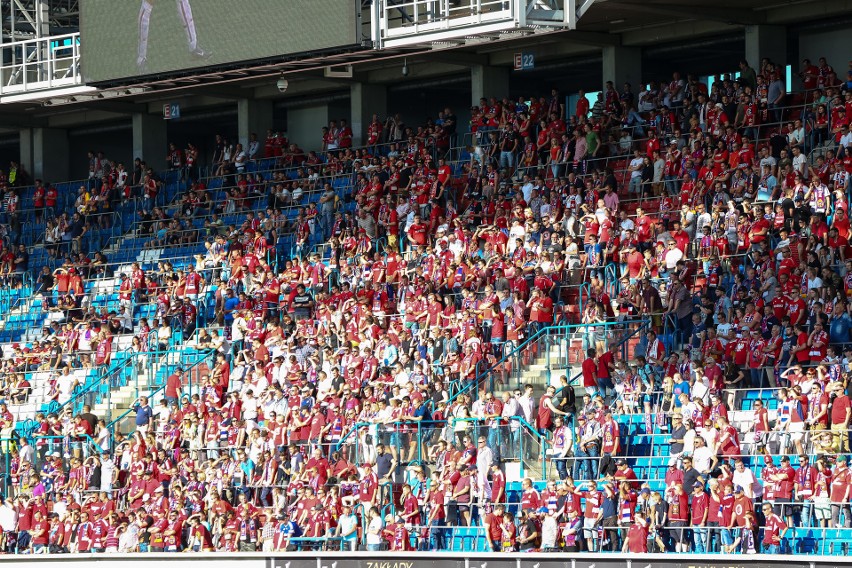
699, 510
528, 531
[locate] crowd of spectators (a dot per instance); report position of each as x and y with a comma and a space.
349, 397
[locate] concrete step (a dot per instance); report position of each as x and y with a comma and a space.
536, 367
121, 399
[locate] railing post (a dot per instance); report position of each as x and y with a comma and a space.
51, 63
356, 445
109, 403
520, 449
547, 376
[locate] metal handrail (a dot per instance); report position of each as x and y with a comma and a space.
526, 428
41, 63
200, 357
19, 302
558, 331
105, 379
289, 209
430, 427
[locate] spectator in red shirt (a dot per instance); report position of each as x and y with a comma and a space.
841, 410
530, 497
417, 233
590, 371
174, 384
678, 518
774, 529
637, 535
699, 511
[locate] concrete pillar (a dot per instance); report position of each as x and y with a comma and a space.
622, 65
48, 153
765, 41
25, 149
253, 116
486, 81
304, 125
366, 100
150, 139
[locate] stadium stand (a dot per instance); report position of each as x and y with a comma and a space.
623, 327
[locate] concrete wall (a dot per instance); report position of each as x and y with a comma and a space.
416, 107
116, 144
420, 560
304, 123
135, 560
833, 44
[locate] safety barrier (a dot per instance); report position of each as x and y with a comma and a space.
386, 559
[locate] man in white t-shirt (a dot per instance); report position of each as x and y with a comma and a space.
845, 136
723, 329
374, 531
625, 224
673, 254
325, 384
800, 162
702, 219
8, 516
527, 188
107, 474
250, 405
702, 457
66, 383
549, 530
744, 477
240, 159
767, 159
238, 329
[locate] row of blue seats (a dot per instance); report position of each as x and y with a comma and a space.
16, 325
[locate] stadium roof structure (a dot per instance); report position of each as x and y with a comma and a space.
596, 24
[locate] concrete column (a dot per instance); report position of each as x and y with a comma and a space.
366, 100
622, 65
25, 149
253, 116
304, 125
486, 81
765, 41
49, 153
150, 140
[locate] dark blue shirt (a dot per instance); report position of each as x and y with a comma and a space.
231, 304
423, 412
144, 414
839, 329
383, 465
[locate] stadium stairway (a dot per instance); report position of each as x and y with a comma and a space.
559, 357
542, 362
122, 398
24, 318
647, 452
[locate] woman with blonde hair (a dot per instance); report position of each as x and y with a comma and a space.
667, 403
